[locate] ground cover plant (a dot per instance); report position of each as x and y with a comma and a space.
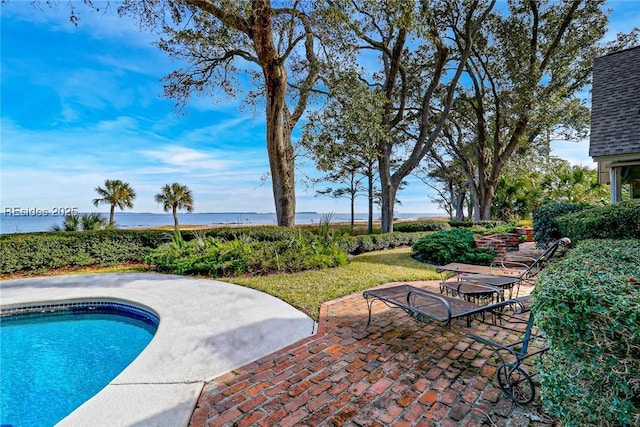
217, 257
588, 306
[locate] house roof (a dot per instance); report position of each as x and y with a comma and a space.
615, 104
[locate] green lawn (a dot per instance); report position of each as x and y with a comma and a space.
308, 290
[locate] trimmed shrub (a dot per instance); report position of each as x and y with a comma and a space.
618, 221
545, 228
588, 306
475, 224
416, 226
262, 233
39, 252
457, 245
376, 242
42, 251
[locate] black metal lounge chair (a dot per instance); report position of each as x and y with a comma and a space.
424, 305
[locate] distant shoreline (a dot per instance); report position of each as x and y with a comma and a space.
11, 224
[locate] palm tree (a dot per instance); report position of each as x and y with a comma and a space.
174, 197
93, 221
71, 223
115, 193
86, 222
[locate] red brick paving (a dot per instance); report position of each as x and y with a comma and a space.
395, 371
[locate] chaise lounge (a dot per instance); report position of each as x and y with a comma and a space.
424, 305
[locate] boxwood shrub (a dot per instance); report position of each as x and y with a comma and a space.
588, 306
617, 221
545, 228
475, 224
270, 233
457, 245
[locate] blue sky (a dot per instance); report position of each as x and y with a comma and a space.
84, 104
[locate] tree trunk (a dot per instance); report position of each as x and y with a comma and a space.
460, 206
353, 211
482, 201
485, 204
370, 194
388, 194
175, 218
281, 158
112, 215
279, 147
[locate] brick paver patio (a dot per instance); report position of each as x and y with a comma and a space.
395, 371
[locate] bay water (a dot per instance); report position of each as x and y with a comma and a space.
34, 223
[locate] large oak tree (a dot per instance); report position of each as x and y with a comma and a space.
411, 42
273, 44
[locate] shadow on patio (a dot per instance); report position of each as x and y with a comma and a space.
395, 371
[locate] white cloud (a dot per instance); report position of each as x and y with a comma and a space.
184, 157
575, 152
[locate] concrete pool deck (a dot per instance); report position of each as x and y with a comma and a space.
207, 328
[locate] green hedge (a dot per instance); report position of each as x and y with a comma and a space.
416, 226
475, 224
617, 221
41, 251
377, 242
588, 306
545, 228
457, 245
38, 252
262, 233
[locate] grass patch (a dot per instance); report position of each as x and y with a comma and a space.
308, 290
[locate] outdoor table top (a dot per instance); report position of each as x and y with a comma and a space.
471, 288
457, 267
488, 279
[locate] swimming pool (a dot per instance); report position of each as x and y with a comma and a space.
56, 357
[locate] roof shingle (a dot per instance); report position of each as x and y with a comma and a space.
615, 104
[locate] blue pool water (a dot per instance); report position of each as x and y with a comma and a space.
52, 363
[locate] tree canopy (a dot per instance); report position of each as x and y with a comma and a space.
466, 84
115, 193
524, 81
410, 41
274, 44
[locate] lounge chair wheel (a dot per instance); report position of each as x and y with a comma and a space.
516, 383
